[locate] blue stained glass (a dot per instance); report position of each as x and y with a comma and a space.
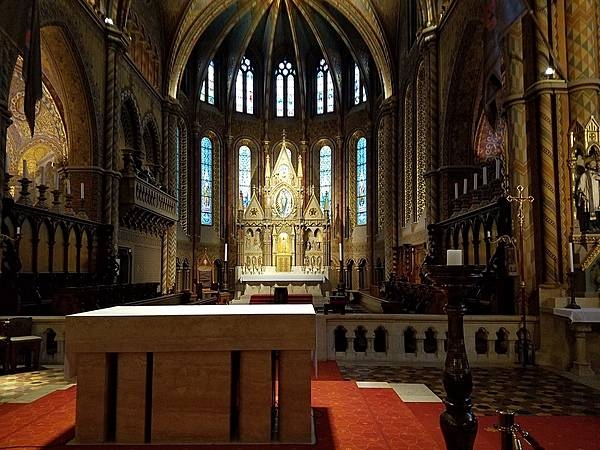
279, 96
249, 92
211, 83
239, 92
356, 84
361, 181
320, 91
330, 104
245, 174
284, 89
206, 181
325, 177
290, 96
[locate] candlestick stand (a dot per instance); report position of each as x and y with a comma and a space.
69, 205
56, 201
81, 213
572, 303
25, 195
41, 203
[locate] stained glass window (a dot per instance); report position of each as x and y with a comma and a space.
206, 181
361, 181
207, 91
245, 174
285, 75
360, 91
244, 87
324, 89
325, 177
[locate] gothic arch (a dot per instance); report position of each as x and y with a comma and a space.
130, 121
151, 141
457, 129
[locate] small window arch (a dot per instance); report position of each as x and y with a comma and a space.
325, 176
244, 87
361, 181
207, 91
325, 103
206, 181
245, 174
285, 76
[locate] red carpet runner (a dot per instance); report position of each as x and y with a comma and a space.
347, 418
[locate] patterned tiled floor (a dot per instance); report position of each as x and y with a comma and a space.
526, 391
25, 386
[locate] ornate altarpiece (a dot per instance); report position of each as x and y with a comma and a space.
279, 231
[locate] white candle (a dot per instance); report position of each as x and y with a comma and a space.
497, 169
25, 174
571, 257
484, 175
340, 252
225, 251
42, 175
488, 234
465, 186
455, 190
82, 191
18, 231
68, 187
571, 139
475, 181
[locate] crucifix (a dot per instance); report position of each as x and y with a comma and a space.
523, 339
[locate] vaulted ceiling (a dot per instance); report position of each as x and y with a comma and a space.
299, 28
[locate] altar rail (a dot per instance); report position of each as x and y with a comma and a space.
425, 344
417, 338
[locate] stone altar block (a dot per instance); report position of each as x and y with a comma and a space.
192, 373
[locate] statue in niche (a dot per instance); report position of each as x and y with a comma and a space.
587, 193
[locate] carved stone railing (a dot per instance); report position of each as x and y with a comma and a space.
145, 206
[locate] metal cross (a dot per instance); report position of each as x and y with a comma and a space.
520, 198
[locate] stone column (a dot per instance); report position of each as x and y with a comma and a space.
192, 187
581, 365
116, 44
429, 45
8, 57
387, 223
582, 53
169, 121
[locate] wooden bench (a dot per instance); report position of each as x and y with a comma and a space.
15, 339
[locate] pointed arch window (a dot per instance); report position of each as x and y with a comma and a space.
285, 78
244, 87
361, 181
360, 92
324, 89
245, 174
207, 91
325, 177
206, 181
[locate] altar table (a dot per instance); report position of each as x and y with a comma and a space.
192, 373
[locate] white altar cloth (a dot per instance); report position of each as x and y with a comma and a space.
583, 315
283, 277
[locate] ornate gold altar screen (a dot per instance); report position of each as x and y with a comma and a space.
281, 228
